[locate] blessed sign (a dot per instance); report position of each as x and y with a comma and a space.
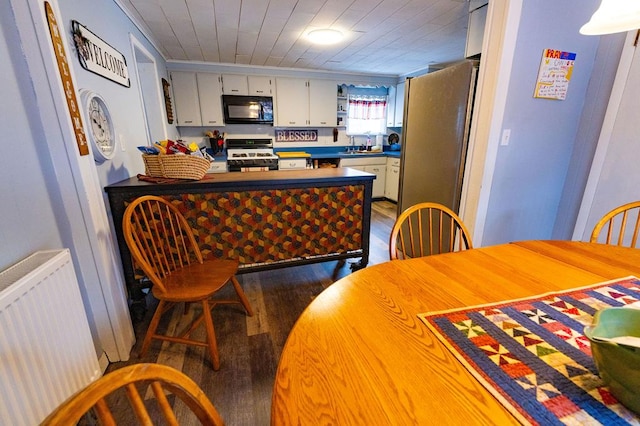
297, 135
97, 56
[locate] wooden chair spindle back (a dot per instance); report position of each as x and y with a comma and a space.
425, 229
616, 222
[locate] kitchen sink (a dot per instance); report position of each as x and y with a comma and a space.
362, 152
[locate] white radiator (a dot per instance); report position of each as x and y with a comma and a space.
46, 349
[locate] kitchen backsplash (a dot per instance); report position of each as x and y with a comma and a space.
325, 135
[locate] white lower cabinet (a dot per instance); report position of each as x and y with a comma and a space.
292, 163
392, 183
379, 183
217, 167
373, 165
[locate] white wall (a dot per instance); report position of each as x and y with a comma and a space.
530, 172
614, 178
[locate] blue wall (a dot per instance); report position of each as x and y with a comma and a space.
530, 172
27, 181
44, 196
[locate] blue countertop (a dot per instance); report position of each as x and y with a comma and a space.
338, 152
325, 152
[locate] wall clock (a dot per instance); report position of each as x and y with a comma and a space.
99, 125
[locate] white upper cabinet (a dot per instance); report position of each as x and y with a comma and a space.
197, 99
210, 94
475, 31
323, 98
399, 106
254, 85
292, 102
186, 99
391, 107
260, 85
234, 84
302, 102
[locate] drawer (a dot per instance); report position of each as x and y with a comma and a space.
217, 167
292, 163
393, 162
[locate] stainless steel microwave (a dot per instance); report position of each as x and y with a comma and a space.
247, 109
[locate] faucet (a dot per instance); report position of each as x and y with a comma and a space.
353, 143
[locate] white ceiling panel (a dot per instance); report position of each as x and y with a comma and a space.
390, 37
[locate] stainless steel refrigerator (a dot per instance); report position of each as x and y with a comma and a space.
435, 135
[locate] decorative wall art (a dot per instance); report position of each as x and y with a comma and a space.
555, 72
67, 83
167, 100
296, 135
97, 56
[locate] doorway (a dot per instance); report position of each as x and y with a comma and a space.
150, 92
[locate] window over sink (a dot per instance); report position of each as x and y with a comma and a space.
366, 114
365, 109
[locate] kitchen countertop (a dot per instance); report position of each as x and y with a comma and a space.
324, 152
320, 153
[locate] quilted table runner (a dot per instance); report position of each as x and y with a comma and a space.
531, 353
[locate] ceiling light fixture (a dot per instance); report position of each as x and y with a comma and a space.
613, 16
325, 36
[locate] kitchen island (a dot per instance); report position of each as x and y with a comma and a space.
266, 220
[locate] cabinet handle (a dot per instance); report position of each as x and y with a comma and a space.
259, 91
292, 122
188, 121
323, 122
234, 90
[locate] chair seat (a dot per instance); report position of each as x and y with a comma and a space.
197, 281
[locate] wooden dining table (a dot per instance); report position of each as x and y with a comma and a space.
359, 354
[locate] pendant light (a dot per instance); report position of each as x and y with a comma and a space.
613, 16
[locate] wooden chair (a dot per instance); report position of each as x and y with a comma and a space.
425, 229
127, 383
163, 246
616, 222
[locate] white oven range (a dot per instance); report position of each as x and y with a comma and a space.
248, 155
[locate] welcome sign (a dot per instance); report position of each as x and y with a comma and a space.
99, 57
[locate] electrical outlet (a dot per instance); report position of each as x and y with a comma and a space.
506, 135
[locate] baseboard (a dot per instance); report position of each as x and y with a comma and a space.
103, 361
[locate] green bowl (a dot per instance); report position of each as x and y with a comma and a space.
618, 365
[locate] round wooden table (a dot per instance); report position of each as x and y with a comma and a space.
359, 354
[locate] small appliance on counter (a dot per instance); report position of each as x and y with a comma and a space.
394, 142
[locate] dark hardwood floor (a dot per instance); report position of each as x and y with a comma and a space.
250, 346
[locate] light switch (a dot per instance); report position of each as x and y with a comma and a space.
506, 135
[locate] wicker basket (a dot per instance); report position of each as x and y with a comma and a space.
175, 166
